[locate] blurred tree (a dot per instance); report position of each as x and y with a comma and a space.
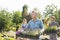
17, 18
5, 20
49, 10
24, 12
52, 10
57, 15
58, 19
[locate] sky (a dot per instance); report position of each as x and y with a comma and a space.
13, 5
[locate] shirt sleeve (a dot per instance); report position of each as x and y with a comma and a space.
28, 25
41, 25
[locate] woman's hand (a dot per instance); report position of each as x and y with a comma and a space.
24, 21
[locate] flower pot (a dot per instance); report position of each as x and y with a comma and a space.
29, 34
50, 30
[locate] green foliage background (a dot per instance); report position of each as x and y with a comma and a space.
12, 20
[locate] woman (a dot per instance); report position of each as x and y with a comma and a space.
53, 24
35, 24
24, 26
22, 30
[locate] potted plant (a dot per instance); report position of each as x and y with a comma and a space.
30, 34
51, 30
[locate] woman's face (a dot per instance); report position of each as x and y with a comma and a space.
33, 15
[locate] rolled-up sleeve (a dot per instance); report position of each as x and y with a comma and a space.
28, 25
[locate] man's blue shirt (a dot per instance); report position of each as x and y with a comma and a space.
35, 24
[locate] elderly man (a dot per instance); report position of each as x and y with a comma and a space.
35, 23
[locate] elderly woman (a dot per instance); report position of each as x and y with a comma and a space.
35, 23
24, 24
53, 24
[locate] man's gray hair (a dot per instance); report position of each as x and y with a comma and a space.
34, 12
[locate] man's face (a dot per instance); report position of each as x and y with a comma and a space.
51, 19
33, 15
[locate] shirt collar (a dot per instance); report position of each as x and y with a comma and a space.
35, 20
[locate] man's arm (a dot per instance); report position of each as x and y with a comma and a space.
41, 26
57, 24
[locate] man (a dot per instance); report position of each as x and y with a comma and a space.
53, 24
35, 23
